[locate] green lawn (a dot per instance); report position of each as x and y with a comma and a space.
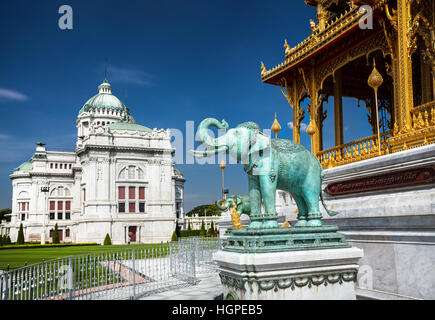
19, 257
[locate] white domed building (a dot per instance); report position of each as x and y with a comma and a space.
120, 181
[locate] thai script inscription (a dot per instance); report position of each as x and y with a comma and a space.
397, 179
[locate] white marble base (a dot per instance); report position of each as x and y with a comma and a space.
328, 274
395, 227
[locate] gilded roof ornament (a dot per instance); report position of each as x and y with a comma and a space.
375, 78
313, 25
276, 127
263, 68
287, 48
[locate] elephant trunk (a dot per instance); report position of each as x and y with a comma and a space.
202, 134
213, 145
223, 204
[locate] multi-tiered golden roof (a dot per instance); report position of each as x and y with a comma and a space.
336, 61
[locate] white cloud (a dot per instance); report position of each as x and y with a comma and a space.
303, 126
12, 95
132, 76
4, 136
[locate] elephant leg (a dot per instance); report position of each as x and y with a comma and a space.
314, 215
303, 211
255, 202
268, 192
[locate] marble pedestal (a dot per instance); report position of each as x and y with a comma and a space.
327, 274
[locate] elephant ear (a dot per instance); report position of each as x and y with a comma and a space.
261, 145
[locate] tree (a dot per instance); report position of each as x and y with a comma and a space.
55, 234
20, 238
202, 232
107, 241
5, 214
8, 240
174, 236
210, 209
212, 230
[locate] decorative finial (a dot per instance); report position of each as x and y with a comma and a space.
312, 25
310, 129
276, 127
263, 68
287, 47
375, 79
222, 165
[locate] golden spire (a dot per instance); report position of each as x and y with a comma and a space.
276, 127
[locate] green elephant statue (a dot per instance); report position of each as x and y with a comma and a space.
243, 205
270, 164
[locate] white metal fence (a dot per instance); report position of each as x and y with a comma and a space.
122, 274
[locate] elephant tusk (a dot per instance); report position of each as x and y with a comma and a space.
208, 153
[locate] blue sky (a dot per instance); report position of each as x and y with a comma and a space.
168, 61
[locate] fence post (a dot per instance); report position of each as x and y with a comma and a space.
70, 279
193, 280
6, 281
134, 277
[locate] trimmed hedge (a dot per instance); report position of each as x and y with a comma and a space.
107, 240
38, 245
189, 233
20, 238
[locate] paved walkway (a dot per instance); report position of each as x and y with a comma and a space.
208, 288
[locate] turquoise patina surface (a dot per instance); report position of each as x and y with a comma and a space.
272, 164
242, 203
25, 167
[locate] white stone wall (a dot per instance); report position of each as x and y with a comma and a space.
394, 226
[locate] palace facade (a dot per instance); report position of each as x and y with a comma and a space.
120, 181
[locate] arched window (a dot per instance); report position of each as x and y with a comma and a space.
23, 202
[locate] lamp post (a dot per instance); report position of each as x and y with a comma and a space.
44, 190
223, 166
375, 81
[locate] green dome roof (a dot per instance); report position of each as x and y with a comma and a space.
25, 167
128, 126
105, 100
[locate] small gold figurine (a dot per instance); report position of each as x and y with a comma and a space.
286, 225
235, 218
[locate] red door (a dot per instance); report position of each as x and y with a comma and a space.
60, 233
132, 233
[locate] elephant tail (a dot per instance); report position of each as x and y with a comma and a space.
331, 213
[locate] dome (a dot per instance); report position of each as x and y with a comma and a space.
105, 100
